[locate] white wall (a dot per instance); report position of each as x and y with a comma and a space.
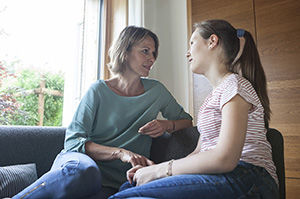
168, 19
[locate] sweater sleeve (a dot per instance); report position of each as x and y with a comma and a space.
77, 133
171, 109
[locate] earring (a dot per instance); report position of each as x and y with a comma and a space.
209, 47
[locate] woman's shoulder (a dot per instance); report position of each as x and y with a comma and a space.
98, 83
98, 87
149, 80
152, 83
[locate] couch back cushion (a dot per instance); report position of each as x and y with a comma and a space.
28, 144
174, 146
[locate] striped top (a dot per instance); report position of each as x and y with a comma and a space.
257, 150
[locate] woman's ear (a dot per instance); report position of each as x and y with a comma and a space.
212, 41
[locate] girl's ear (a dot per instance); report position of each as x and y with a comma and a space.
212, 41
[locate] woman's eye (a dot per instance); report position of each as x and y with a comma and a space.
145, 51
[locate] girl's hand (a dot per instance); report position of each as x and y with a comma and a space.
132, 158
156, 128
131, 172
142, 175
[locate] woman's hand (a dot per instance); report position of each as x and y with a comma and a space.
156, 128
132, 158
142, 175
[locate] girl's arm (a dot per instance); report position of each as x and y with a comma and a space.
223, 158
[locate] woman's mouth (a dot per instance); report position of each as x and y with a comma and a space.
147, 67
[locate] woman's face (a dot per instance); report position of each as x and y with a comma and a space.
140, 58
197, 54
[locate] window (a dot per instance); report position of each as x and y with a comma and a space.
52, 40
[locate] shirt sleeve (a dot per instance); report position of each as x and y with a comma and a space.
82, 123
245, 90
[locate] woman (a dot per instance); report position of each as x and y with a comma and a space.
114, 124
233, 157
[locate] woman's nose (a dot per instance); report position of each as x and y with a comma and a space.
151, 58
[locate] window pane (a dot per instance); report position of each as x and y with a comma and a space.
39, 39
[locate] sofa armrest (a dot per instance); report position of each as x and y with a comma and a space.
174, 146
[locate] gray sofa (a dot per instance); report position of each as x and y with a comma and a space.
40, 145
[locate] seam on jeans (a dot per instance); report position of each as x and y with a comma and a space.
44, 183
32, 190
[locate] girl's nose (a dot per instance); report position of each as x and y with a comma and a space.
188, 54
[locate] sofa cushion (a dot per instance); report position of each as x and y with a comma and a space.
174, 146
15, 178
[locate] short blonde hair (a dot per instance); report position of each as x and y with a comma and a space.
129, 37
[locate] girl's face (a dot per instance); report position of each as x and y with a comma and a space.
198, 53
140, 58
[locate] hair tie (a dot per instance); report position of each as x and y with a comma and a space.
240, 32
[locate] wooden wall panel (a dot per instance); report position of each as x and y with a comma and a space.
275, 24
238, 13
292, 188
278, 39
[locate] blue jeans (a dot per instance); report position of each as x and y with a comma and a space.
245, 181
72, 175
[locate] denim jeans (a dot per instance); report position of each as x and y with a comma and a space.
245, 181
72, 175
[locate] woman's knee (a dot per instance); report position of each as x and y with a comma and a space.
79, 165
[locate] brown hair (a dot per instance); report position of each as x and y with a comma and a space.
130, 36
248, 64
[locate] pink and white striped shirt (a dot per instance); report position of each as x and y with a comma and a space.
257, 150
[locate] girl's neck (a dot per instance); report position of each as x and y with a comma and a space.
216, 76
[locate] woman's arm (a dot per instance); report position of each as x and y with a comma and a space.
223, 158
105, 153
156, 127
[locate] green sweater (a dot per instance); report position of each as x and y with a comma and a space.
108, 119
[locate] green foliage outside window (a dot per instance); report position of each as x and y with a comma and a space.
20, 108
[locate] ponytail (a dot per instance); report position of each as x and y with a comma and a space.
251, 69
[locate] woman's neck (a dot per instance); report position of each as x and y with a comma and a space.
126, 86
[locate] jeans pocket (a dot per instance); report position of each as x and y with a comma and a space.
253, 193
